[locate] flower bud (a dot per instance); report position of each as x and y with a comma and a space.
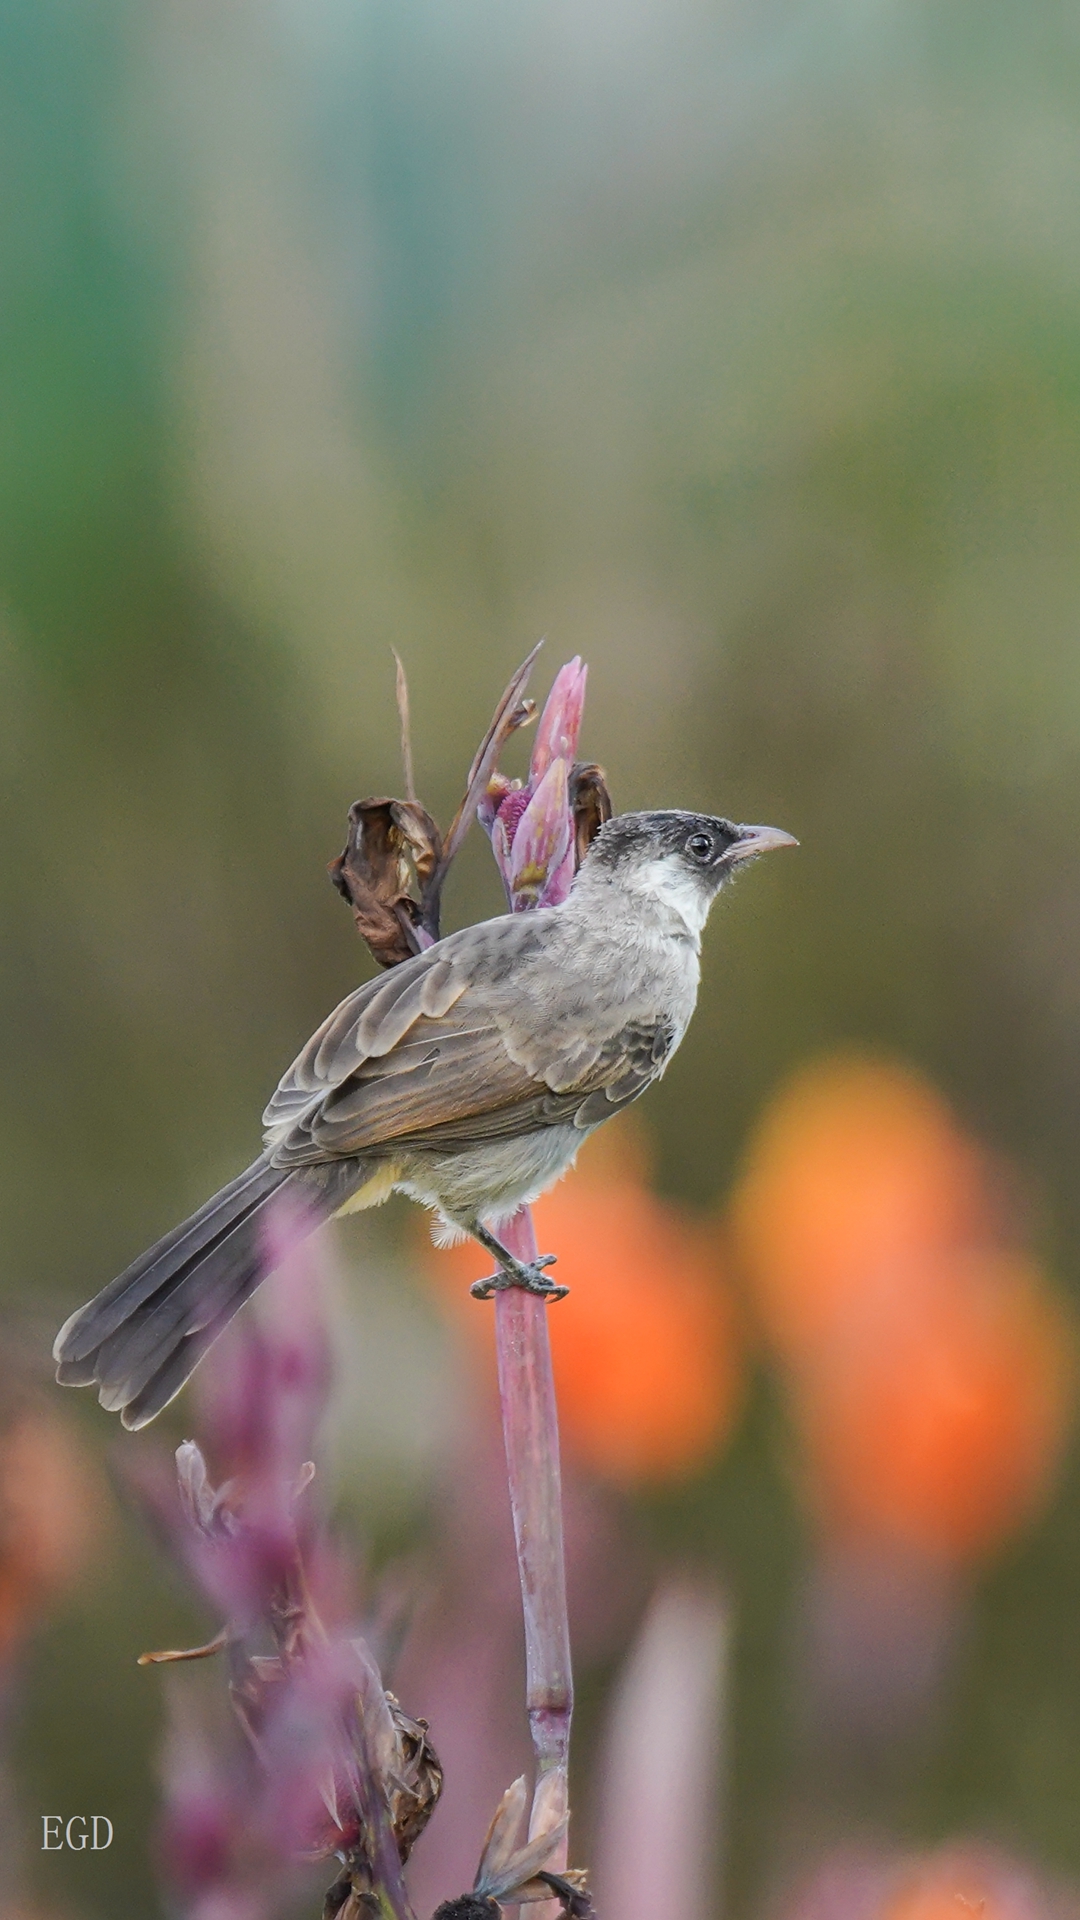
560, 722
542, 842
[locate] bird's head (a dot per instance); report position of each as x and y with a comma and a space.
678, 860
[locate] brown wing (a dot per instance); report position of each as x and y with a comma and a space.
627, 1063
434, 1055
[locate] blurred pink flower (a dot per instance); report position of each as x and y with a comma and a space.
657, 1850
206, 1816
241, 1817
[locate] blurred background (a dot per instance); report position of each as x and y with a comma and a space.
736, 348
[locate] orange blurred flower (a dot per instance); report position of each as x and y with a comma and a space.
962, 1880
931, 1367
645, 1348
942, 1424
944, 1902
857, 1175
963, 1884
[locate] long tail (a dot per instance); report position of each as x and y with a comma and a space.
144, 1334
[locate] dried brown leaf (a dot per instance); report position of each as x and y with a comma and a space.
395, 862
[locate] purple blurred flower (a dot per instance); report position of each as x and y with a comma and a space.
262, 1395
205, 1838
322, 1761
532, 826
261, 1406
241, 1816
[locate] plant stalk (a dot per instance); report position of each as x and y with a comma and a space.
531, 1437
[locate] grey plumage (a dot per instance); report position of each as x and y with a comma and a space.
467, 1078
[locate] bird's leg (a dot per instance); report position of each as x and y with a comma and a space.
513, 1272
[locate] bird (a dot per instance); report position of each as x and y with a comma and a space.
467, 1078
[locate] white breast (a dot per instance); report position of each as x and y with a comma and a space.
491, 1180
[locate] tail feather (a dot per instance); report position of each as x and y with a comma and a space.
220, 1283
191, 1299
86, 1329
76, 1373
144, 1334
175, 1369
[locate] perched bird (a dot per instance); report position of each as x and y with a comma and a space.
467, 1078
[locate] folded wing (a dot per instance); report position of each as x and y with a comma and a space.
441, 1053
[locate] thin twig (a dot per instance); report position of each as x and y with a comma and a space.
402, 692
216, 1645
512, 712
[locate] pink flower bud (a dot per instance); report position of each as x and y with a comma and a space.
543, 838
558, 883
560, 722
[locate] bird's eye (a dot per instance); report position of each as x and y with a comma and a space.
700, 845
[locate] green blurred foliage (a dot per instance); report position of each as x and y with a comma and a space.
737, 347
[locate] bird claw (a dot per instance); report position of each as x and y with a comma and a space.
530, 1277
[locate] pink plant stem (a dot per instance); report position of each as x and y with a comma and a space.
531, 1436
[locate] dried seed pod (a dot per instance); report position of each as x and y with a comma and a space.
469, 1906
388, 861
414, 1782
572, 1889
590, 805
395, 861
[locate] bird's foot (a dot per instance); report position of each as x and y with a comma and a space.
529, 1276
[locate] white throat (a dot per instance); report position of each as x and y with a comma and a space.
667, 883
